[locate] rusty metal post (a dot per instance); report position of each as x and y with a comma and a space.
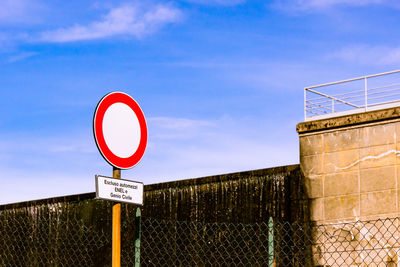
116, 227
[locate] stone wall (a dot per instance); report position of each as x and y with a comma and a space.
351, 166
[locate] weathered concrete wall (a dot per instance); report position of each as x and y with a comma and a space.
351, 166
248, 197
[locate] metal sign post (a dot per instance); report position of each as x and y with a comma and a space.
116, 227
120, 133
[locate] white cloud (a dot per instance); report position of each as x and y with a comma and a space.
129, 19
368, 55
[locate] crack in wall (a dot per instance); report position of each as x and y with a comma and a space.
397, 152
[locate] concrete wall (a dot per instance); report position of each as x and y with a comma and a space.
245, 197
352, 166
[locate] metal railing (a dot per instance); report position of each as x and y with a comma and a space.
351, 96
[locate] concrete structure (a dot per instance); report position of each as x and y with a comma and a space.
352, 173
352, 166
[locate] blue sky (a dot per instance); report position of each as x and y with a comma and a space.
220, 82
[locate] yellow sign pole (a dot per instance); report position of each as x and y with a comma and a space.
116, 227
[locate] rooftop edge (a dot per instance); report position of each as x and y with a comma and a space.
348, 120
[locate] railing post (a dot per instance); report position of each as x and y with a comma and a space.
366, 93
270, 242
138, 228
305, 104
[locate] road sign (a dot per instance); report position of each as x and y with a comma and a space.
120, 130
119, 190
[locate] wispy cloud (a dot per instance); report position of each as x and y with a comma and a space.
129, 19
167, 128
35, 185
217, 2
20, 11
192, 147
179, 123
21, 56
315, 5
178, 148
368, 55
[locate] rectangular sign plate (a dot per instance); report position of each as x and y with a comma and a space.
119, 190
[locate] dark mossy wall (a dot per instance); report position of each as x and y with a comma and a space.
251, 196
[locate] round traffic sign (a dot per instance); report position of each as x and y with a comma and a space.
120, 130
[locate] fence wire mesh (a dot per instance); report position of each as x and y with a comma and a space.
199, 244
75, 242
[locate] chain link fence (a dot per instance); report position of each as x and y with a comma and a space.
360, 243
74, 242
48, 242
200, 244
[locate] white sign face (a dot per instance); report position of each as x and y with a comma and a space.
121, 130
119, 190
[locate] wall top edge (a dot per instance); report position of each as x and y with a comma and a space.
348, 120
223, 177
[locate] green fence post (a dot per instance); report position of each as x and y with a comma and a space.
138, 226
270, 242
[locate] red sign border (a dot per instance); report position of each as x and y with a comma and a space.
108, 155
